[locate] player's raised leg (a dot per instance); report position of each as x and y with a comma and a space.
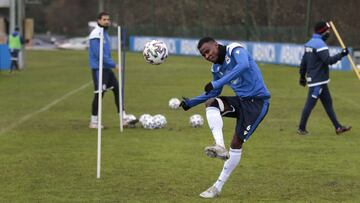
250, 113
213, 108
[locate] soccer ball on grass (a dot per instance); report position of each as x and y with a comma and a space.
152, 122
196, 121
159, 120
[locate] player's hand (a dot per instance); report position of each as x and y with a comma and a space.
208, 87
115, 69
184, 105
344, 51
302, 81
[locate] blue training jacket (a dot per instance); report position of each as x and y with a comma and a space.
316, 60
240, 72
94, 47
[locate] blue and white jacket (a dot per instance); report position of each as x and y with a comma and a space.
316, 60
94, 47
240, 72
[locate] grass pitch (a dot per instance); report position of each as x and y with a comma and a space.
48, 154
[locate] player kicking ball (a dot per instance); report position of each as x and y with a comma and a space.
232, 66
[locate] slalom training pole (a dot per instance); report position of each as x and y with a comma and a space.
120, 70
100, 99
343, 46
123, 62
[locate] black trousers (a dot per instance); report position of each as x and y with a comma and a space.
109, 83
14, 60
318, 92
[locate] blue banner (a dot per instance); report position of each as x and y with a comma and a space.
5, 58
263, 52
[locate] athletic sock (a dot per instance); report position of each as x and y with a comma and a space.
94, 119
215, 124
229, 166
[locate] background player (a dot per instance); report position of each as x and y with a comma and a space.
314, 70
109, 78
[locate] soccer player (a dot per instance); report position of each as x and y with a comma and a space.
15, 44
314, 70
109, 79
232, 66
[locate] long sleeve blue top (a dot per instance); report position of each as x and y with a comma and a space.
94, 48
240, 72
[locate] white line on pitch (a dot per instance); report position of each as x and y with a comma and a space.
45, 108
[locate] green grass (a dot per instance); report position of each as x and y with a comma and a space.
51, 155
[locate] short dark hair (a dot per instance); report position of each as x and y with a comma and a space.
101, 14
205, 40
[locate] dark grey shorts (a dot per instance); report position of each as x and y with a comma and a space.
249, 113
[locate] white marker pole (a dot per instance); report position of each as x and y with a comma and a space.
120, 69
100, 99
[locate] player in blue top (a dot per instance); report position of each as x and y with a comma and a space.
232, 66
314, 70
109, 79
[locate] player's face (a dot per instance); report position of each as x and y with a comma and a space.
210, 51
104, 21
326, 35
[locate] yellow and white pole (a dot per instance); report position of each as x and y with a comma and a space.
343, 46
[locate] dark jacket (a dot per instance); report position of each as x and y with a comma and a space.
316, 60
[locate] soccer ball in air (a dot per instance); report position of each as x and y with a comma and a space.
155, 52
196, 121
174, 103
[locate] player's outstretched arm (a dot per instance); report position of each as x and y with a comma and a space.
187, 103
184, 105
208, 87
329, 60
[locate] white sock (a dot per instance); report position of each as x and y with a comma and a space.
229, 166
94, 119
215, 124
